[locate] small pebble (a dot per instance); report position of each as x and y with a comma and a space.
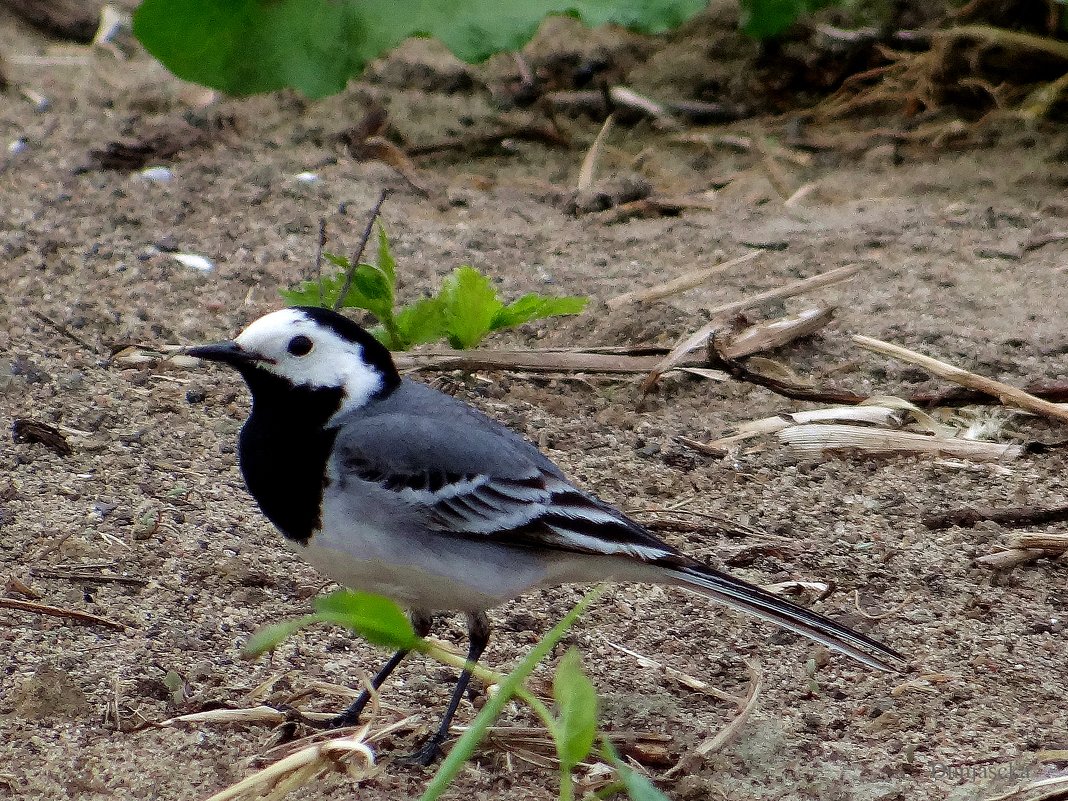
195, 395
194, 261
158, 175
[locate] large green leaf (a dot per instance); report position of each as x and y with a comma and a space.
576, 700
378, 620
386, 263
371, 290
763, 19
244, 47
421, 322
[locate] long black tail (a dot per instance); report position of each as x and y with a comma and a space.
760, 603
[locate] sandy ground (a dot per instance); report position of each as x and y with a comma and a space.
151, 492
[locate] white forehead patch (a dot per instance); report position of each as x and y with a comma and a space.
333, 360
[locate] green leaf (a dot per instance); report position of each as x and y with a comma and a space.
378, 620
577, 701
370, 290
421, 322
244, 47
322, 292
308, 293
763, 19
637, 786
338, 261
536, 307
267, 638
470, 304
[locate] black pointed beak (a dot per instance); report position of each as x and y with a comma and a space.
226, 352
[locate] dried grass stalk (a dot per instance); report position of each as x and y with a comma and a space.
349, 755
731, 730
1048, 542
815, 441
689, 280
874, 415
1007, 394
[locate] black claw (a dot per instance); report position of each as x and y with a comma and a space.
426, 755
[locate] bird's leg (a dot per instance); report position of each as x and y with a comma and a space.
422, 623
478, 632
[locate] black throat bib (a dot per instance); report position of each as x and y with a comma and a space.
283, 450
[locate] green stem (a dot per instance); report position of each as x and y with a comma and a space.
567, 782
397, 340
509, 686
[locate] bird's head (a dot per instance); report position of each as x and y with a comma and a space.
308, 348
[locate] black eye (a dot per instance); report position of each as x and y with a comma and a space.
299, 345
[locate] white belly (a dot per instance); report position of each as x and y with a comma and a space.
433, 573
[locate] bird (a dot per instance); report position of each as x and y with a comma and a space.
389, 486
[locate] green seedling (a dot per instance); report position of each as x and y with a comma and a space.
573, 728
465, 310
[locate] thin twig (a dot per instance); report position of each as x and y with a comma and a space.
62, 330
719, 358
968, 516
773, 334
46, 572
689, 280
355, 263
1052, 788
56, 611
627, 98
319, 257
1007, 394
753, 339
684, 679
1053, 391
1012, 557
531, 361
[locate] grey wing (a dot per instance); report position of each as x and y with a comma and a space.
486, 483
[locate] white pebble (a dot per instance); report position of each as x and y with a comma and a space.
194, 261
159, 175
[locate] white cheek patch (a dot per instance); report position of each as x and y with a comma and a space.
332, 361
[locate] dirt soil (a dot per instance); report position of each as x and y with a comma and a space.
954, 264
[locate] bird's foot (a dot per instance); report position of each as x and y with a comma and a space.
426, 754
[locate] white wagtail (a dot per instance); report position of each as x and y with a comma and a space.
391, 487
